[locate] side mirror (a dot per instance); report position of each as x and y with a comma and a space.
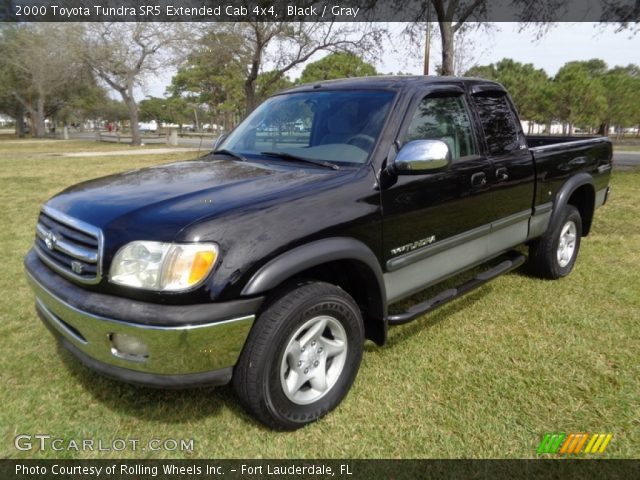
219, 140
422, 156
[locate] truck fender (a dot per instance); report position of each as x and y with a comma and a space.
319, 252
564, 194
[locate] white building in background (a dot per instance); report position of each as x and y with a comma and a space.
151, 126
5, 120
540, 129
212, 127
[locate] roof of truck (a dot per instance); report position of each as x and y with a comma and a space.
394, 82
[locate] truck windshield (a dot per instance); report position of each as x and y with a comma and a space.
340, 127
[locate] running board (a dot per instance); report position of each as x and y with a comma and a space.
513, 261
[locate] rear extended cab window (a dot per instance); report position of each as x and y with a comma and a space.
498, 122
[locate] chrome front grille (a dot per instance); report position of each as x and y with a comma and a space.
69, 246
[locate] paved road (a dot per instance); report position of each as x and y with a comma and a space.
626, 159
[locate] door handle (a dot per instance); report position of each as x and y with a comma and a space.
478, 179
502, 174
578, 161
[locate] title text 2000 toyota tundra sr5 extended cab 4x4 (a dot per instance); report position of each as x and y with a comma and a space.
269, 261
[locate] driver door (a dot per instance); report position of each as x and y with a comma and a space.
436, 224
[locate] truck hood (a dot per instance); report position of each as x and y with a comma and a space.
159, 201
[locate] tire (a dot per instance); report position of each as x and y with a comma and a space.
301, 357
554, 254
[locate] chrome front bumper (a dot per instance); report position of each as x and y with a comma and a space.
171, 351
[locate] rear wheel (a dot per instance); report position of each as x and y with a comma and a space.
301, 357
554, 254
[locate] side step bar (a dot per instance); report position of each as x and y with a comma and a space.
513, 261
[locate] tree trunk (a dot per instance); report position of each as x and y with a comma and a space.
603, 130
254, 68
132, 106
20, 133
250, 96
228, 121
38, 121
427, 41
446, 34
195, 114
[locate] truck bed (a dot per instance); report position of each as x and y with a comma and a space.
536, 141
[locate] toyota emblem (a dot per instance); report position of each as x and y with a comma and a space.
50, 239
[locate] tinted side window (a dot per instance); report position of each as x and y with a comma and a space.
446, 119
498, 123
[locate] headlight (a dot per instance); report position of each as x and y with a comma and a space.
163, 266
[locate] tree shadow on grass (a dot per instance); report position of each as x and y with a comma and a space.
526, 272
174, 406
442, 313
399, 334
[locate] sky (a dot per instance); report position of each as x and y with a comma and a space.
562, 43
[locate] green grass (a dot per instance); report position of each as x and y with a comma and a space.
484, 376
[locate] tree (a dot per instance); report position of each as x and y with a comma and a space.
154, 108
39, 81
165, 110
124, 54
621, 87
634, 72
212, 78
9, 105
269, 83
578, 95
337, 65
112, 111
450, 16
624, 13
446, 12
455, 16
527, 85
80, 99
283, 45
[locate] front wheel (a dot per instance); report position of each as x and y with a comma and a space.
554, 254
301, 357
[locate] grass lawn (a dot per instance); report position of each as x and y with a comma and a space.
484, 376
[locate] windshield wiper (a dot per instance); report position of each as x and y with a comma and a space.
235, 155
290, 156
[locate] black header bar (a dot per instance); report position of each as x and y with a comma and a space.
627, 11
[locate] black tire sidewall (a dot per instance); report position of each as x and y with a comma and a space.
280, 406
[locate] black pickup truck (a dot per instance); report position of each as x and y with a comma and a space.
268, 262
